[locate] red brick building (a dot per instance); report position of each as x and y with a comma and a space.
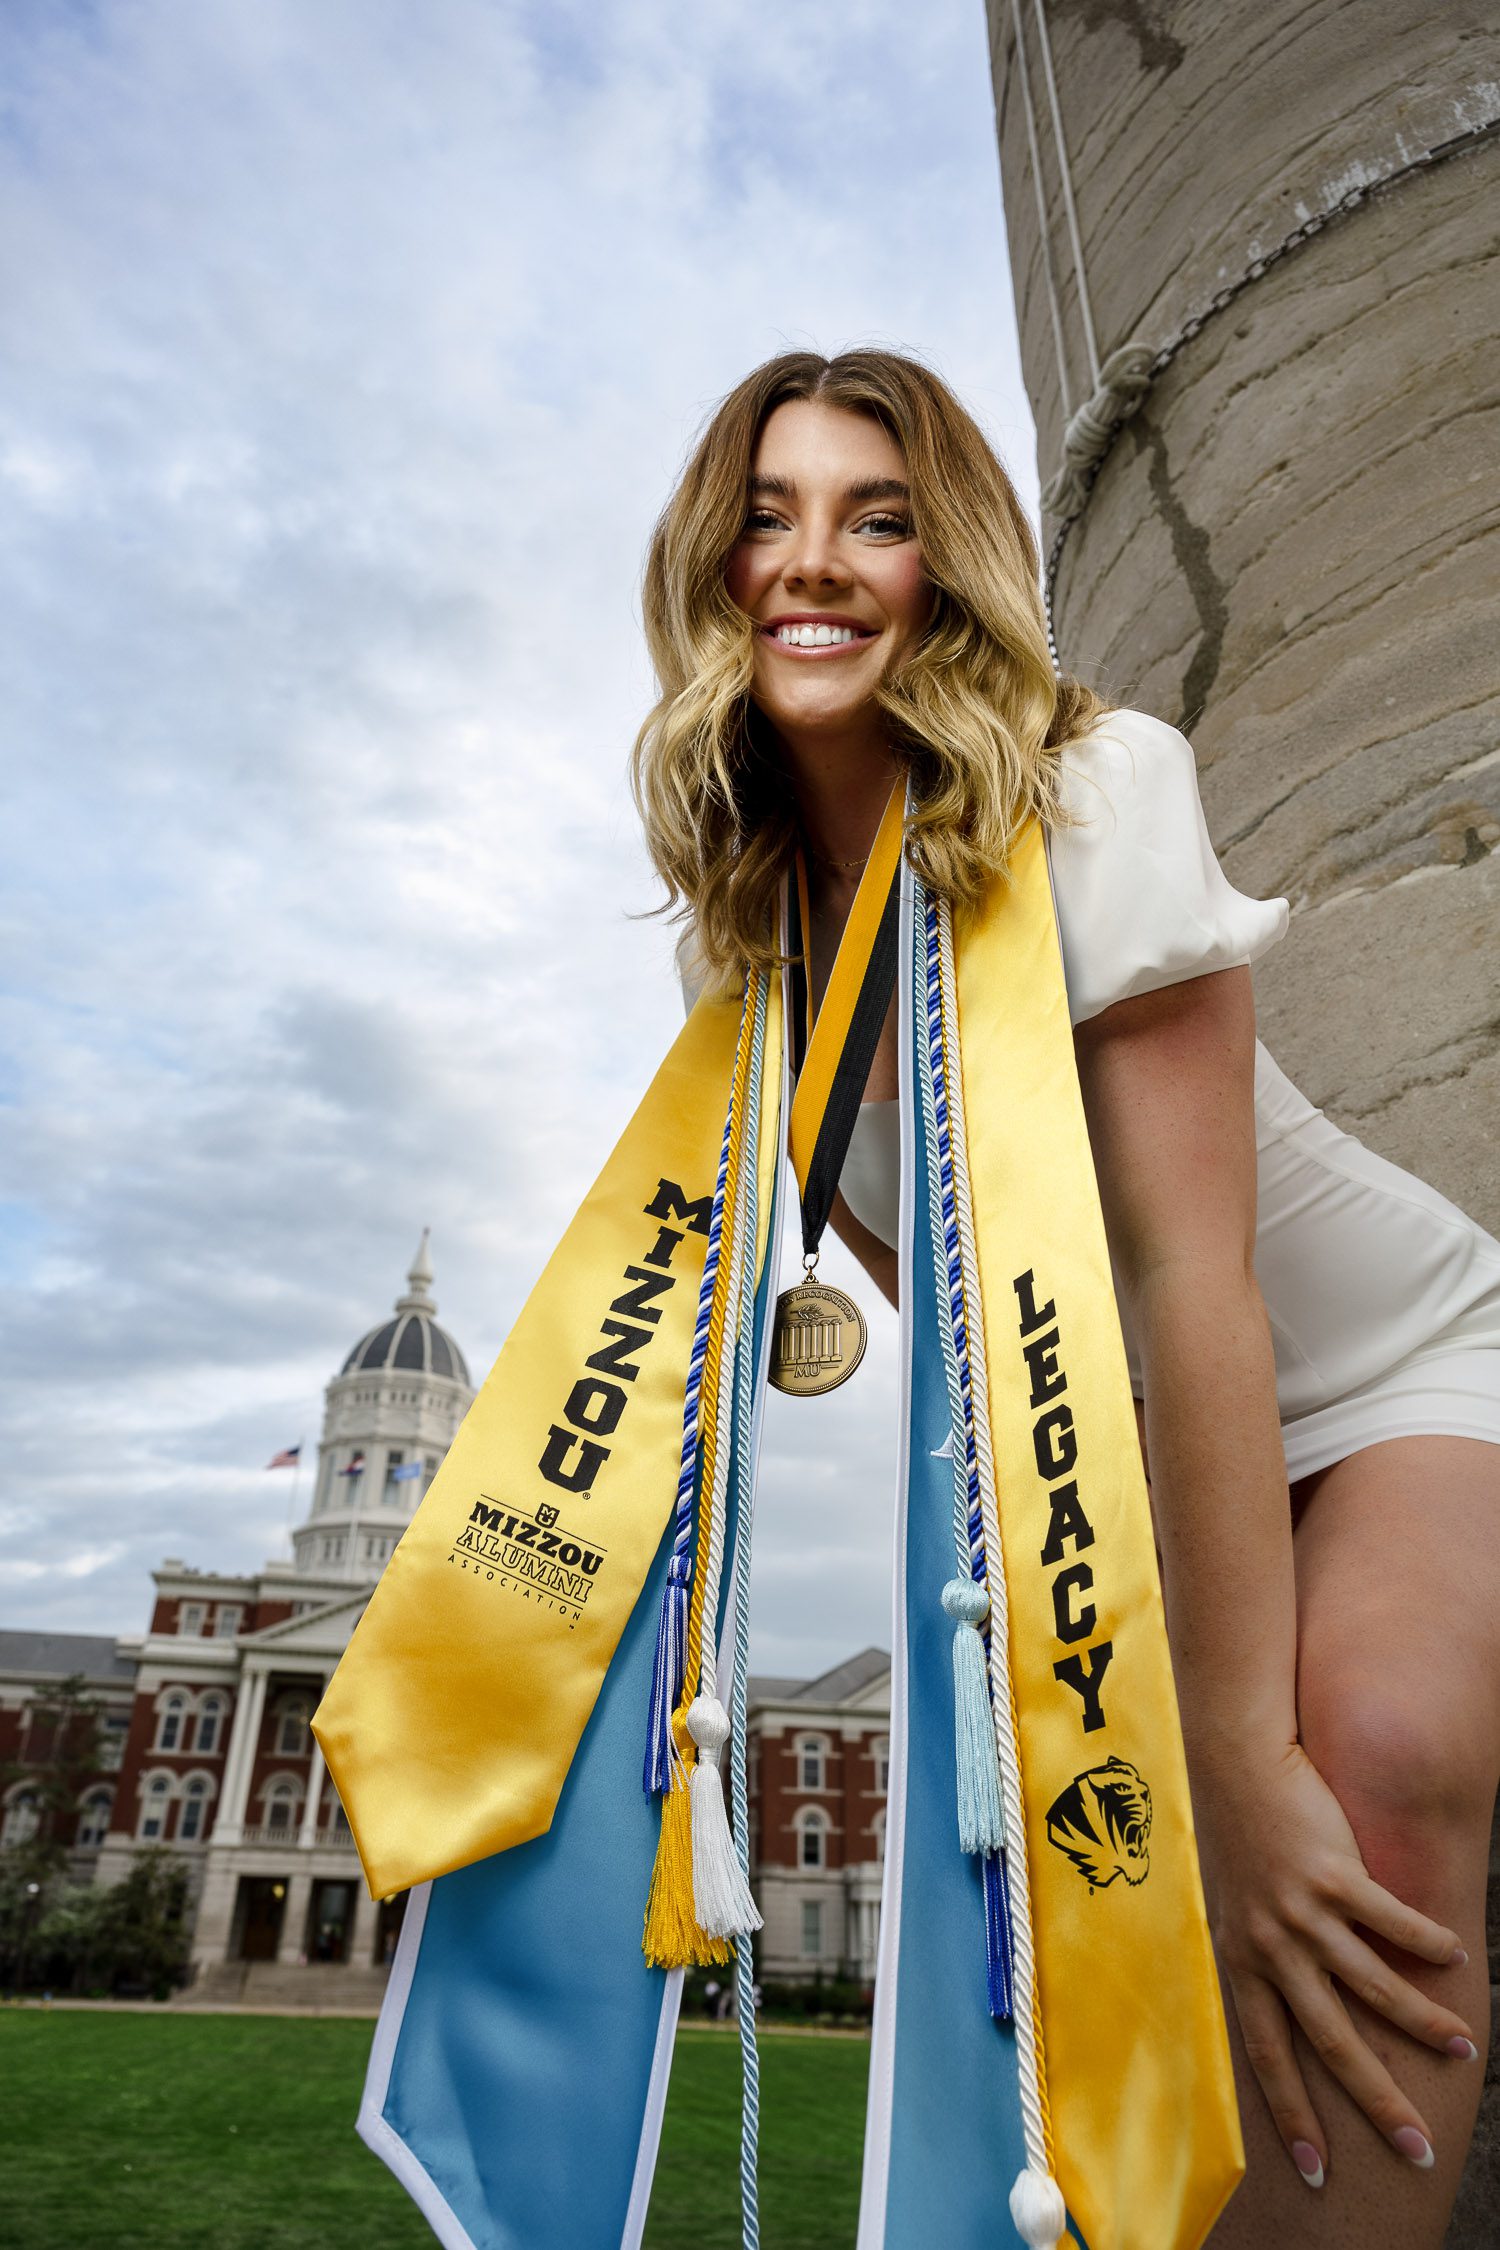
208, 1748
207, 1711
819, 1758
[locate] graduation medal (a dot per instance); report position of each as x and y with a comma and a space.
819, 1337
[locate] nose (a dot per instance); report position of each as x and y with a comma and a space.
814, 558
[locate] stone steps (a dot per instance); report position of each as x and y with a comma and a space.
283, 1984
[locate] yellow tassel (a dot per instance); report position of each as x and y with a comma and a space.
673, 1938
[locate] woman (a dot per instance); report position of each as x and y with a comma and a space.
843, 591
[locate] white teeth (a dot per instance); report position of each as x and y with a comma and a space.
815, 636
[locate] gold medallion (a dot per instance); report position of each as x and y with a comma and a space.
818, 1340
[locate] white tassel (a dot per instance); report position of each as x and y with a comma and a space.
721, 1896
1038, 2209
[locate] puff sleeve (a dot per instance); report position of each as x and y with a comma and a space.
1141, 899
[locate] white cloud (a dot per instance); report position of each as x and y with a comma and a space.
348, 353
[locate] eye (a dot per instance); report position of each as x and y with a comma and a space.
762, 519
887, 526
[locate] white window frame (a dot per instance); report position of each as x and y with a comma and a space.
881, 1755
100, 1801
227, 1622
812, 1926
812, 1821
114, 1735
812, 1749
156, 1797
877, 1835
282, 1789
15, 1828
190, 1619
210, 1714
174, 1707
196, 1789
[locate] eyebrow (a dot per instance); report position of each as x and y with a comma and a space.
867, 488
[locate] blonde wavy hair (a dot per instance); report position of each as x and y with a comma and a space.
975, 711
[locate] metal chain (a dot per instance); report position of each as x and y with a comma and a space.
1221, 298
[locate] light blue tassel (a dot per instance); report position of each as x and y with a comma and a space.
981, 1819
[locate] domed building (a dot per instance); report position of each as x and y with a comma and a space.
207, 1748
391, 1414
217, 1759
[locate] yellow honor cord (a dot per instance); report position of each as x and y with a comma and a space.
672, 1936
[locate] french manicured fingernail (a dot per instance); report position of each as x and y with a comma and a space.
1308, 2162
1464, 2049
1411, 2143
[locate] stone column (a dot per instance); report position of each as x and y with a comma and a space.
362, 1937
214, 1919
244, 1739
293, 1939
315, 1772
1289, 547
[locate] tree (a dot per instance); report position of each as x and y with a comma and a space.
133, 1934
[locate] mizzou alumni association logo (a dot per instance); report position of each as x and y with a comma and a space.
531, 1553
1102, 1823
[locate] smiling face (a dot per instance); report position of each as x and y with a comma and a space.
828, 566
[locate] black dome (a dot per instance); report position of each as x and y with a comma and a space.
411, 1342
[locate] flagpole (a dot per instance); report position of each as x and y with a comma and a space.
291, 1520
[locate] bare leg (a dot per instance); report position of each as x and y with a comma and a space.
1398, 1697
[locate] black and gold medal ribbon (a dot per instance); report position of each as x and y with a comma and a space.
833, 1059
820, 1332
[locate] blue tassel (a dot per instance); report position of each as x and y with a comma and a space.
666, 1675
997, 1937
981, 1818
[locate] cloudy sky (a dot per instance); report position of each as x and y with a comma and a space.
347, 351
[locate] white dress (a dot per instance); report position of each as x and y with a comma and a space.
1383, 1297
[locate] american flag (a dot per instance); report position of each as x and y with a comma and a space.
287, 1458
353, 1466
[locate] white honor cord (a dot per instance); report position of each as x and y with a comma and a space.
721, 1892
745, 1376
1027, 2058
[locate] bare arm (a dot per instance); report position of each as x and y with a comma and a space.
1168, 1088
879, 1260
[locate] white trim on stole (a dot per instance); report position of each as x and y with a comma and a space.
371, 2124
875, 2180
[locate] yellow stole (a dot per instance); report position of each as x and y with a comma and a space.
1144, 2120
451, 1722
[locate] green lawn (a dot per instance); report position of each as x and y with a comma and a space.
185, 2132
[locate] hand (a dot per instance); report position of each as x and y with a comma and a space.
1285, 1885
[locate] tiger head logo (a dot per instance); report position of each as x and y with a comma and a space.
1102, 1821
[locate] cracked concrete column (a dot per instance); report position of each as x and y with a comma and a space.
1291, 548
1263, 258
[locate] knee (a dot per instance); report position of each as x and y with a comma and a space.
1412, 1773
